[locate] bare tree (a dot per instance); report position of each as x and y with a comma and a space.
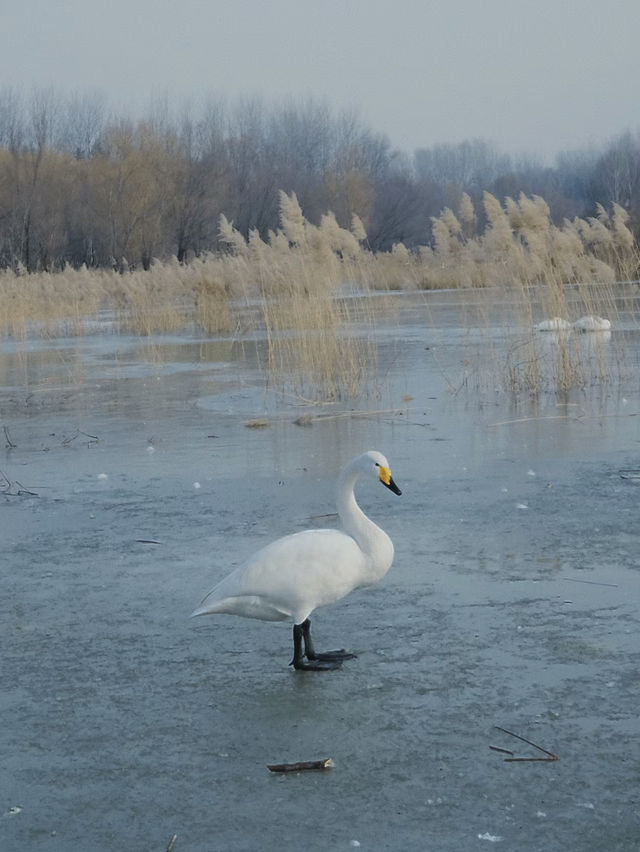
616, 176
79, 185
472, 165
38, 137
81, 130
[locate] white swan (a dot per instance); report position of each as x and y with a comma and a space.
592, 323
554, 324
289, 578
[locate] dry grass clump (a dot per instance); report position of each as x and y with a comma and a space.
310, 319
520, 245
309, 287
164, 299
561, 357
48, 303
171, 295
149, 305
301, 279
535, 270
396, 270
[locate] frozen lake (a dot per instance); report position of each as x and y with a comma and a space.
513, 601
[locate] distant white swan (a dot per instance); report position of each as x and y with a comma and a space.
554, 324
289, 578
592, 323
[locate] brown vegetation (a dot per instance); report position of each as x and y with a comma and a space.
79, 186
306, 285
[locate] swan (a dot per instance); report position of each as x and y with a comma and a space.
592, 323
289, 578
554, 324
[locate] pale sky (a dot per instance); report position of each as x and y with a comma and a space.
532, 77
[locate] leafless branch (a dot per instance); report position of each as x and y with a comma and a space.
93, 439
550, 755
14, 489
300, 767
9, 443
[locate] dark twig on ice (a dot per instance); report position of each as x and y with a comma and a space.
550, 755
300, 767
172, 843
502, 750
591, 582
8, 442
93, 439
23, 490
13, 489
147, 541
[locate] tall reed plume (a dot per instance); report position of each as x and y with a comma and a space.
309, 316
311, 283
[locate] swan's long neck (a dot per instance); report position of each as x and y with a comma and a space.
372, 540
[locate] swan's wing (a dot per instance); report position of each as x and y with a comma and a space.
290, 577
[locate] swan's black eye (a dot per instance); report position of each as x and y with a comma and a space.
377, 465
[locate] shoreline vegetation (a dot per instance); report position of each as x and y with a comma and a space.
300, 275
173, 223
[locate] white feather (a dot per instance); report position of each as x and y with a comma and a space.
289, 578
592, 323
554, 324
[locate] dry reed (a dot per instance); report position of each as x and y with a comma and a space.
538, 271
310, 285
320, 337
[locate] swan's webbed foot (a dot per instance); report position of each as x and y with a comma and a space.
303, 665
315, 662
332, 656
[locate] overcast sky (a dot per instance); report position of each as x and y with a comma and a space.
535, 77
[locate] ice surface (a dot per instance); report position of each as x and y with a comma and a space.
125, 723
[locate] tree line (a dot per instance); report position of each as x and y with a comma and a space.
81, 185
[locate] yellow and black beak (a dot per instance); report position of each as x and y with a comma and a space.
387, 479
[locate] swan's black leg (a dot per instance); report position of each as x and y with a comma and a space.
327, 656
300, 650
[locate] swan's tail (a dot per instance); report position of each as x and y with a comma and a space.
248, 606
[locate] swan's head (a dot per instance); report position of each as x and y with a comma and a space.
377, 464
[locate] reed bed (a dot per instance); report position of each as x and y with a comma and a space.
318, 335
533, 271
308, 287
